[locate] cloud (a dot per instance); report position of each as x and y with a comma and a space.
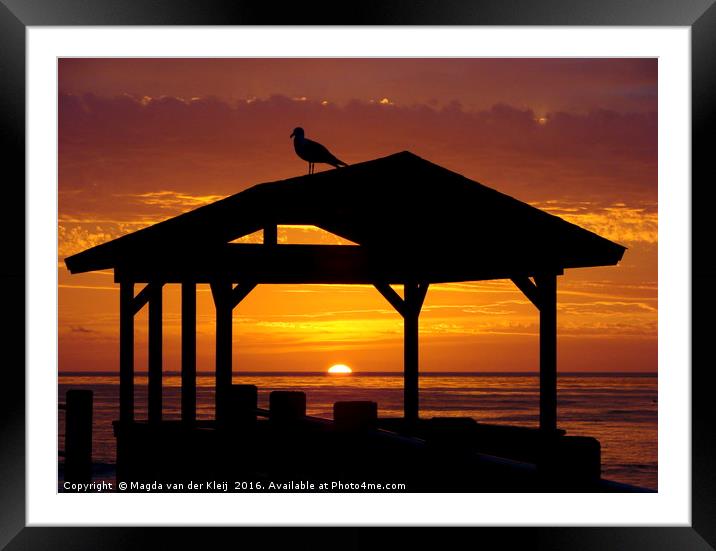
622, 84
76, 236
77, 233
618, 222
73, 239
81, 329
134, 139
606, 308
173, 200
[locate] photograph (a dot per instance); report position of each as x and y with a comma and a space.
296, 276
357, 274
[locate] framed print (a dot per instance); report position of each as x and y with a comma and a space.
420, 267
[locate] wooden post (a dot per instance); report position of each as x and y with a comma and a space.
78, 436
409, 307
242, 405
355, 415
154, 391
547, 285
410, 352
287, 405
126, 352
270, 234
226, 298
224, 308
188, 352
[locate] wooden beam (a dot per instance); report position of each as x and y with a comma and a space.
142, 298
547, 285
391, 296
126, 352
188, 352
240, 292
144, 295
345, 264
154, 391
528, 288
421, 294
218, 290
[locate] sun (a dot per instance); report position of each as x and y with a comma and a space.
339, 369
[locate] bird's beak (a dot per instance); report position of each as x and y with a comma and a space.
291, 136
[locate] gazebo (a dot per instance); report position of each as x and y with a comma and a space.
414, 223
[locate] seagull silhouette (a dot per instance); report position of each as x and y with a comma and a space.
312, 152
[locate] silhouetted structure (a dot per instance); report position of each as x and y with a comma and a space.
414, 223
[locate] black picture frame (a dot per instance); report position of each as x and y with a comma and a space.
16, 15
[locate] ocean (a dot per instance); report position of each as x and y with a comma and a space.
620, 410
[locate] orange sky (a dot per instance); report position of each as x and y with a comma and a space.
144, 140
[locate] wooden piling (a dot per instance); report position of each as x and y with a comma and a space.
78, 436
287, 405
355, 415
243, 401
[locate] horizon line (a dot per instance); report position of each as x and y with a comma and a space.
379, 373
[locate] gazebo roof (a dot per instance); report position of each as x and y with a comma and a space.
411, 219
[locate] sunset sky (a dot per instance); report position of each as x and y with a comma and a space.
142, 140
